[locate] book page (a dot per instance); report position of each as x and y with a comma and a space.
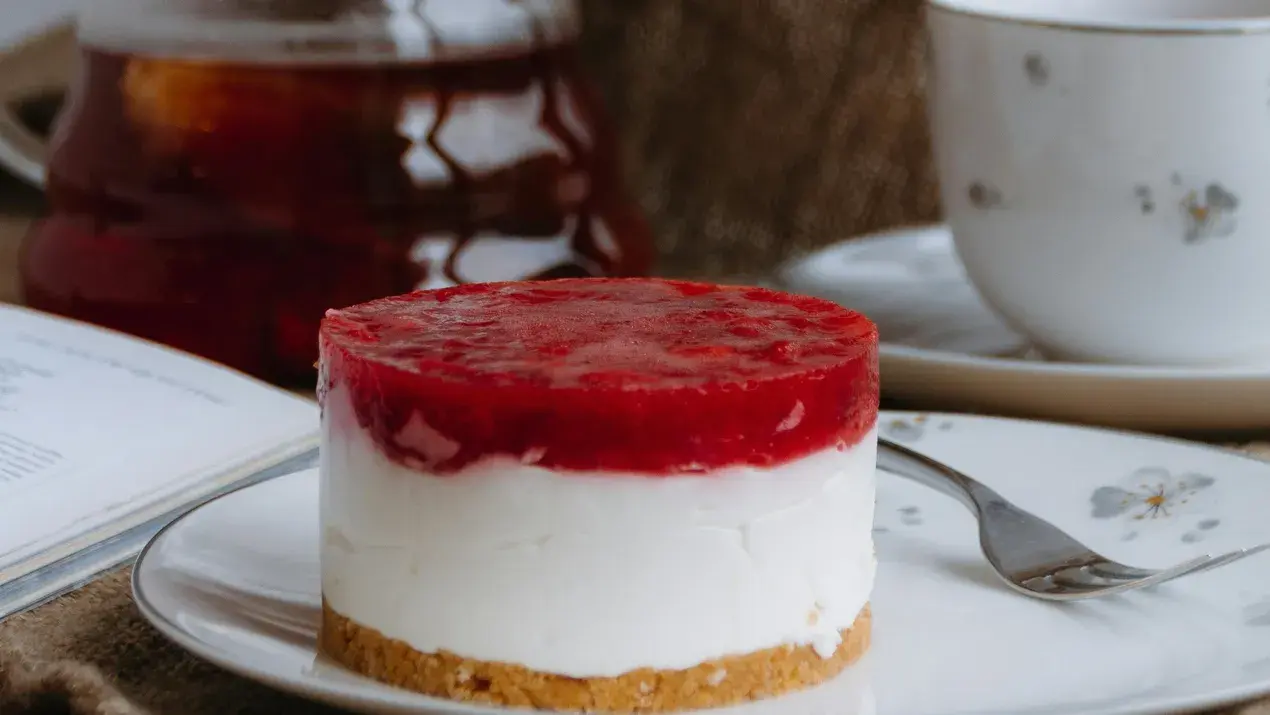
95, 425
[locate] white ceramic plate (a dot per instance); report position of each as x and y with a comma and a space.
943, 348
237, 582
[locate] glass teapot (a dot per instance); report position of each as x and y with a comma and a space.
226, 170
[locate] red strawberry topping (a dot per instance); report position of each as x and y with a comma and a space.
631, 375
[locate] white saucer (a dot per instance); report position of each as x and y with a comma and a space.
237, 582
944, 349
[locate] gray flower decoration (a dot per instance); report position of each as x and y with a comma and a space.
1037, 69
1149, 493
984, 196
1258, 614
910, 431
1211, 215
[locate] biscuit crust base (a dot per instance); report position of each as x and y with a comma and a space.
726, 681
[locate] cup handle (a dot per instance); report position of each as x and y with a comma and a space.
21, 151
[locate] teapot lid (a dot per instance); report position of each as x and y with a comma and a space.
320, 31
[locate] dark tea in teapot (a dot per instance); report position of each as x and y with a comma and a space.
219, 195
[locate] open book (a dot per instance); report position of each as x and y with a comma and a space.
104, 439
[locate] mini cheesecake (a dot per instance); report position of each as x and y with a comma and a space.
599, 495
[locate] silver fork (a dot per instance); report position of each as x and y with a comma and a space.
1032, 556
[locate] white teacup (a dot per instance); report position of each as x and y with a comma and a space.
1105, 167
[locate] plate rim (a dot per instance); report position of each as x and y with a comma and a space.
933, 357
403, 701
316, 689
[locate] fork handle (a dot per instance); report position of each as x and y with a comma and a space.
1013, 540
928, 472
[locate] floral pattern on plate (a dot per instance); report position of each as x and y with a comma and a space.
1258, 614
1149, 493
913, 429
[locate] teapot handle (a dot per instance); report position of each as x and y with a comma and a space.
22, 152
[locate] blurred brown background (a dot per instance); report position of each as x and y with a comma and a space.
755, 128
37, 74
17, 203
752, 129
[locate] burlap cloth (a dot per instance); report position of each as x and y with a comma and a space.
753, 128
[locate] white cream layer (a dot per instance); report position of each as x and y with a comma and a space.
594, 575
